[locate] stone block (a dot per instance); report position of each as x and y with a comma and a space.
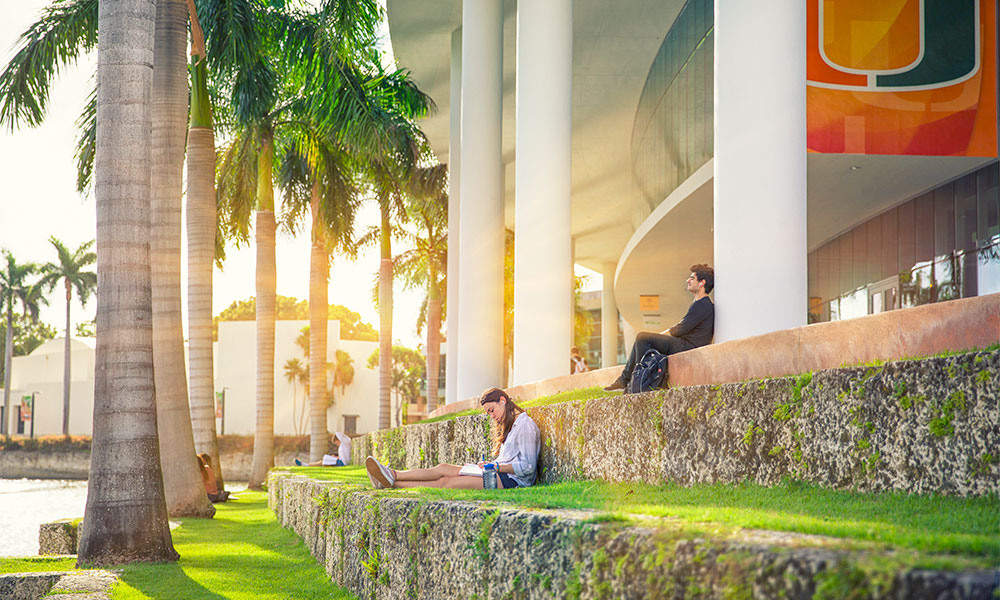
396, 546
59, 537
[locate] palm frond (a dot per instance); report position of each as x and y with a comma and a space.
65, 30
86, 143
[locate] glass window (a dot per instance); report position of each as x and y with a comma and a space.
923, 228
944, 220
967, 226
873, 257
989, 204
890, 243
859, 262
905, 235
846, 252
915, 285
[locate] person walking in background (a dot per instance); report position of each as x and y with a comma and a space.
576, 362
694, 330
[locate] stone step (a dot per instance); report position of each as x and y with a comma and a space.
923, 426
395, 545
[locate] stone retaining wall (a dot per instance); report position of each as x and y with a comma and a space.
930, 425
17, 464
394, 546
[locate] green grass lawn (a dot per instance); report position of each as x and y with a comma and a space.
241, 554
926, 524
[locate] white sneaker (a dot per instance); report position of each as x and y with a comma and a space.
380, 475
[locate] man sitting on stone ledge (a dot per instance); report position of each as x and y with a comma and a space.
694, 330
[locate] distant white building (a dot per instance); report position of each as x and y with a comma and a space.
40, 375
355, 411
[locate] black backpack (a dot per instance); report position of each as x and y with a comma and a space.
650, 372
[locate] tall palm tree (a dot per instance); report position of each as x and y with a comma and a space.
14, 286
315, 162
426, 263
329, 73
71, 269
126, 513
202, 243
67, 29
185, 492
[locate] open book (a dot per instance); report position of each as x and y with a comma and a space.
471, 469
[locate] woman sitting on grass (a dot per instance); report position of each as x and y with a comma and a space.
515, 444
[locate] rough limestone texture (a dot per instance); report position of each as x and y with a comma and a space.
80, 585
59, 537
930, 425
395, 546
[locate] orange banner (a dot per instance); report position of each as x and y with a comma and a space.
911, 77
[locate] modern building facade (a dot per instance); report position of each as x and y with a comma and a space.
831, 158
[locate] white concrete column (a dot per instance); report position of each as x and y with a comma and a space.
454, 226
760, 167
543, 265
481, 239
609, 318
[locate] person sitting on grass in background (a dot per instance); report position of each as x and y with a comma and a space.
208, 478
340, 458
694, 330
516, 443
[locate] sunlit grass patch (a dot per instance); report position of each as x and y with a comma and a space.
923, 523
241, 554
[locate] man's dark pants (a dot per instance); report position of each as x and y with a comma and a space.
667, 344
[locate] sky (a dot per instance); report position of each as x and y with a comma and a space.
39, 200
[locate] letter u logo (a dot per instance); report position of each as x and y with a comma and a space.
892, 45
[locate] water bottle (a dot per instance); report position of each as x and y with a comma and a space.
490, 476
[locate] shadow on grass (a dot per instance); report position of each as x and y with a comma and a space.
241, 553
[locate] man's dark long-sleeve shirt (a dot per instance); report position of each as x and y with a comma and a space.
698, 325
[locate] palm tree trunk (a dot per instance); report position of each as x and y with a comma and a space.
182, 484
319, 272
126, 514
385, 322
263, 441
201, 230
66, 363
8, 354
433, 340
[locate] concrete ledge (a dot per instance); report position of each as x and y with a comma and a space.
394, 546
920, 331
926, 330
930, 425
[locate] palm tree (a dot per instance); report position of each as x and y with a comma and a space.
14, 286
126, 513
313, 162
202, 241
70, 268
66, 29
328, 76
185, 492
425, 264
293, 374
343, 372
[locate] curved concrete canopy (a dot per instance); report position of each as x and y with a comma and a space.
614, 47
678, 233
